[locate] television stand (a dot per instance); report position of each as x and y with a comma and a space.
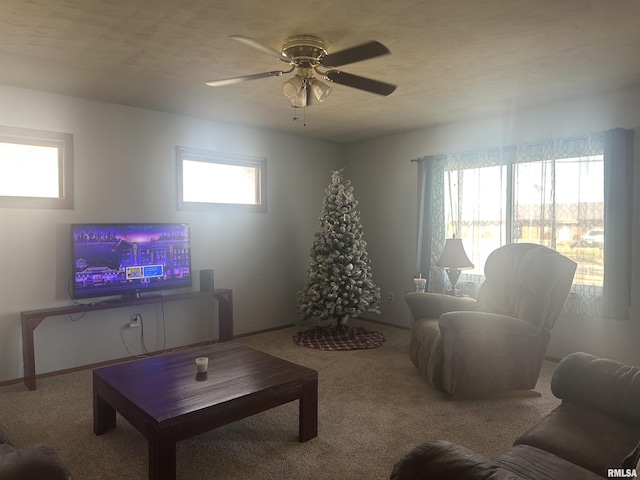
134, 298
32, 318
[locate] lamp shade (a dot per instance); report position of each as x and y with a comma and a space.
453, 255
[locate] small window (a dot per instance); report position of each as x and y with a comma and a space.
36, 168
220, 181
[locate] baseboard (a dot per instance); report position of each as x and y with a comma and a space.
134, 357
105, 363
266, 330
494, 395
386, 324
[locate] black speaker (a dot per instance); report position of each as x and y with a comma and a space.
206, 280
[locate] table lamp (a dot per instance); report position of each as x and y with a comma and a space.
453, 258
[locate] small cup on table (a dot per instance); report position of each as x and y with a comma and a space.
202, 364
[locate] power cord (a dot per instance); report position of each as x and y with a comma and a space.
145, 351
136, 318
124, 342
143, 346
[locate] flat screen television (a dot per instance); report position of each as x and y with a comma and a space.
128, 259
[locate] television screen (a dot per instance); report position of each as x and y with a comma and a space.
129, 259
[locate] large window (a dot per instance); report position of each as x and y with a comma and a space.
36, 168
572, 194
218, 181
557, 202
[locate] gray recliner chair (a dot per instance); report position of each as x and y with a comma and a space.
495, 345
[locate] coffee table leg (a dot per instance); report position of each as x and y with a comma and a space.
104, 416
162, 456
309, 411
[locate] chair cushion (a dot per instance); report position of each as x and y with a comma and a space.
527, 281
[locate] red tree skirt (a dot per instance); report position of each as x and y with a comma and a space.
334, 338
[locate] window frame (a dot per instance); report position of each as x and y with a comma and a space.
207, 156
63, 142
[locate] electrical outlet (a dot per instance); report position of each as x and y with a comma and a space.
390, 297
135, 322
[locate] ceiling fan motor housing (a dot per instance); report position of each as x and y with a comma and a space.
305, 50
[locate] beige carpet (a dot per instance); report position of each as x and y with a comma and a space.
373, 407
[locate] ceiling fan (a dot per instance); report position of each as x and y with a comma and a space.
306, 54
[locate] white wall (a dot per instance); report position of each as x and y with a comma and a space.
386, 186
125, 171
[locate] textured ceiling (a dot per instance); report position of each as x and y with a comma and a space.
451, 59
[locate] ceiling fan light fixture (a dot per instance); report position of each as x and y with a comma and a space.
292, 87
320, 90
302, 99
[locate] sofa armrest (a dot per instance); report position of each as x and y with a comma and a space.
37, 462
599, 384
433, 305
490, 323
444, 461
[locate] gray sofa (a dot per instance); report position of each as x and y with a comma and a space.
594, 433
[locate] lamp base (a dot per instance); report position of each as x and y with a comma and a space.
453, 274
454, 293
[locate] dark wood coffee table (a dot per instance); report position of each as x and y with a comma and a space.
166, 401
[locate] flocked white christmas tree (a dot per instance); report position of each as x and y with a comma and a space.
340, 283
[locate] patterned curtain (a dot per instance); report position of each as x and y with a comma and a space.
431, 235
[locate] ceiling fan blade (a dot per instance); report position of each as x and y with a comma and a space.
361, 83
261, 46
354, 54
232, 81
